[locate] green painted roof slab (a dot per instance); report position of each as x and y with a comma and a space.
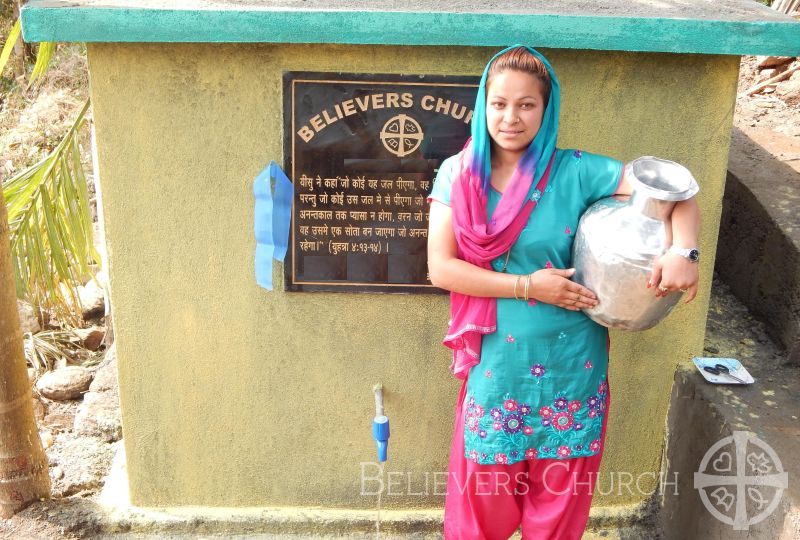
723, 27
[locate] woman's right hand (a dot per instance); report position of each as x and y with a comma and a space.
553, 286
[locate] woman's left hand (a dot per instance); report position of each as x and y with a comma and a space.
674, 273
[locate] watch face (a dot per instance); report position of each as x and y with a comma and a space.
694, 255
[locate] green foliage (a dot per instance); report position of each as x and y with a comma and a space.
8, 48
51, 228
43, 58
45, 349
50, 222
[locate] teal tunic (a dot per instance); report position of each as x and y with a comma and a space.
540, 388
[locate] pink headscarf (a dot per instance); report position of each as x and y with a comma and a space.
479, 243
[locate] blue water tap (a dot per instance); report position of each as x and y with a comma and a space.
380, 425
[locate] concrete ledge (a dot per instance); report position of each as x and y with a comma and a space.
113, 515
701, 414
699, 421
725, 27
758, 254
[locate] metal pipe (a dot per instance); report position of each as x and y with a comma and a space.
380, 425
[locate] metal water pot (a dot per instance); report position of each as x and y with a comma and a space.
618, 242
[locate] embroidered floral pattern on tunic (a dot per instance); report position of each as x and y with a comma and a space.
572, 428
555, 410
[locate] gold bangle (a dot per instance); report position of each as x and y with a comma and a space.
527, 285
516, 282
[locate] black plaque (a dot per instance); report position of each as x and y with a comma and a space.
363, 151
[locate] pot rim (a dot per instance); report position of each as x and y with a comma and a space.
685, 185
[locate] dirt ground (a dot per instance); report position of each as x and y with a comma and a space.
771, 119
32, 122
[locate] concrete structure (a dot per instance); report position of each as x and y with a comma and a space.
762, 231
701, 415
233, 396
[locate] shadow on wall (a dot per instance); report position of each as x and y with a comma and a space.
758, 253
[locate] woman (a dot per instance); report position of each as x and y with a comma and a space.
531, 414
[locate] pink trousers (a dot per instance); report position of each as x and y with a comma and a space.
549, 497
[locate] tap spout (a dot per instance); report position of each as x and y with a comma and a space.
378, 390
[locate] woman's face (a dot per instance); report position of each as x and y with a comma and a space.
514, 109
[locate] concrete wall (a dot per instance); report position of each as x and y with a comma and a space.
760, 230
235, 396
700, 416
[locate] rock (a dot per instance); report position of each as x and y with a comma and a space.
92, 299
57, 473
85, 462
105, 378
711, 349
66, 383
47, 438
747, 341
99, 414
769, 73
102, 278
27, 318
60, 417
91, 337
772, 61
789, 90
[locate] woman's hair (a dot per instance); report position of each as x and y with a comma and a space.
522, 60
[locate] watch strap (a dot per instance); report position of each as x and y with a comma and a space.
692, 254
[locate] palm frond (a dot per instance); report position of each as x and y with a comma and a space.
45, 349
43, 57
51, 228
13, 36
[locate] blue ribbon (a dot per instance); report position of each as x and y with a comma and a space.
273, 217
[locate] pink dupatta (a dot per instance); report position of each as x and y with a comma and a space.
479, 243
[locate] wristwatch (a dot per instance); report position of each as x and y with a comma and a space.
693, 254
